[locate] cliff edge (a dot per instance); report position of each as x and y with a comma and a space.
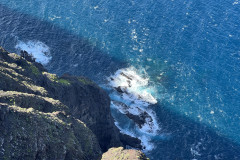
43, 116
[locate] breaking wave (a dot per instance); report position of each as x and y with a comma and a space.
132, 96
37, 49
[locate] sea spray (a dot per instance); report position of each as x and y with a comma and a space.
37, 49
131, 95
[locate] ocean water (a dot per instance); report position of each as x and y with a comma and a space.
177, 61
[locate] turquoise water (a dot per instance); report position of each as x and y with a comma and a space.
189, 50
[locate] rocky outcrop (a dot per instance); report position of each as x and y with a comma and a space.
27, 134
88, 103
43, 116
123, 154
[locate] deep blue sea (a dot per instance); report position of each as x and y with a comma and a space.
183, 57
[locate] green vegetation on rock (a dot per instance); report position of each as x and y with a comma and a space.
63, 81
43, 116
34, 69
50, 76
33, 124
85, 81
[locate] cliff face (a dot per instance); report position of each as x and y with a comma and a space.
28, 134
43, 116
88, 103
35, 124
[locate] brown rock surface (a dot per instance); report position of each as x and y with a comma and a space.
123, 154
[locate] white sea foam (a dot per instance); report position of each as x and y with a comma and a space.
150, 125
37, 49
132, 94
195, 149
133, 84
145, 139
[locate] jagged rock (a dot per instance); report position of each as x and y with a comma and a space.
27, 56
130, 141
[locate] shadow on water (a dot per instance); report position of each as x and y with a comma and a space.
75, 55
70, 53
191, 140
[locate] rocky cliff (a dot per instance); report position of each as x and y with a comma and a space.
43, 116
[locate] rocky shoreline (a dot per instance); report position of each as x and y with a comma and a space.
43, 116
